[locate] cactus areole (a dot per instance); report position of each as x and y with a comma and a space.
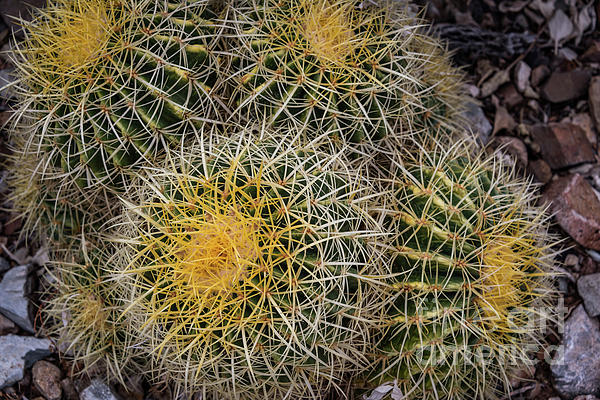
108, 84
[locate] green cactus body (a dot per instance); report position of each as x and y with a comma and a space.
111, 84
245, 272
328, 66
471, 266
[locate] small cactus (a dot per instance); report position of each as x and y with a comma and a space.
85, 313
106, 85
471, 269
50, 208
360, 74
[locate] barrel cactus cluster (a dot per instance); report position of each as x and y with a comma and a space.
253, 199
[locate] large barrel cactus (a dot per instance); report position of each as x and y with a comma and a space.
471, 267
331, 66
106, 85
242, 265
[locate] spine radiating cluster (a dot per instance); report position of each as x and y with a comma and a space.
85, 313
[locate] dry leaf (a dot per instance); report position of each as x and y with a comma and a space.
545, 7
560, 27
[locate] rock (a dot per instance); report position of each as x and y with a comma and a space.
69, 390
503, 121
97, 390
576, 208
575, 370
6, 325
492, 84
592, 54
588, 287
46, 379
479, 123
4, 265
585, 397
14, 288
514, 147
538, 74
9, 9
585, 122
566, 86
541, 171
509, 95
594, 100
17, 353
522, 73
562, 144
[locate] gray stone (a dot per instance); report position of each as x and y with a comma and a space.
588, 287
576, 367
480, 125
17, 353
4, 264
14, 288
522, 73
97, 390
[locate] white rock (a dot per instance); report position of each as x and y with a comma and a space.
97, 390
522, 74
17, 353
13, 291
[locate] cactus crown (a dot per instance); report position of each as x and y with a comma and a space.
66, 40
86, 315
211, 238
326, 30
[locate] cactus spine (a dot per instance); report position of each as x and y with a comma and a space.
107, 85
471, 265
326, 65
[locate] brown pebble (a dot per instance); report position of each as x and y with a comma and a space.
46, 379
